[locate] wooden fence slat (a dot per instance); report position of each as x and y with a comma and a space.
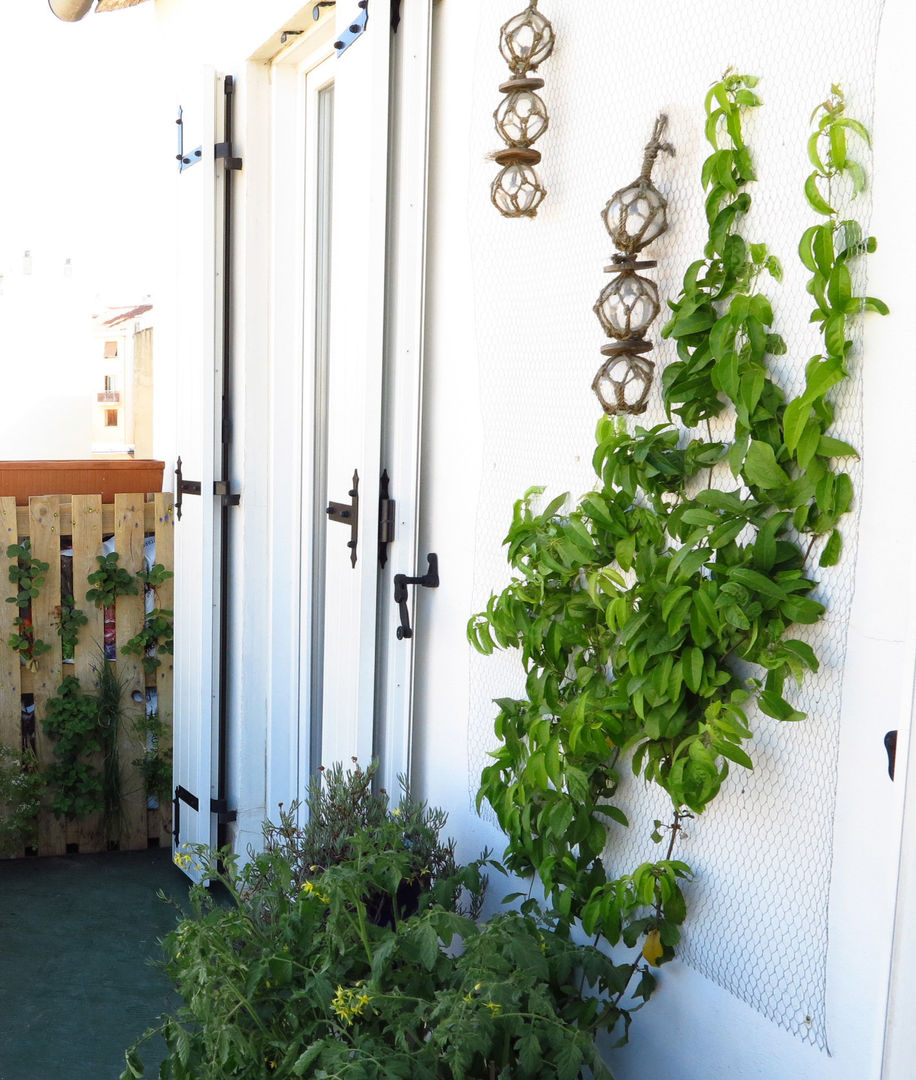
44, 529
86, 535
164, 531
108, 519
10, 690
129, 619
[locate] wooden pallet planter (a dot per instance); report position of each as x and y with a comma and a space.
83, 522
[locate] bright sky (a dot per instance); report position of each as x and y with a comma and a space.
80, 109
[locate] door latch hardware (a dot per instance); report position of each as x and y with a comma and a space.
348, 514
354, 30
890, 745
385, 519
429, 580
220, 807
193, 487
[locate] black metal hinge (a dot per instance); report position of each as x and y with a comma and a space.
348, 514
385, 519
217, 806
222, 150
193, 487
354, 30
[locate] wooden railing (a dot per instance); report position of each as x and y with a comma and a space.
80, 524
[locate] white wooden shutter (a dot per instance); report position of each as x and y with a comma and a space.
197, 538
357, 326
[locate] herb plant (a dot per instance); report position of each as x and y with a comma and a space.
300, 979
21, 790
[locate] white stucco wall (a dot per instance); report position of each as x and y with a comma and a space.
693, 1029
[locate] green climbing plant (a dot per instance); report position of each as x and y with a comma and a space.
70, 619
28, 575
652, 615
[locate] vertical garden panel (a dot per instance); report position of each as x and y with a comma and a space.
10, 689
86, 533
129, 620
164, 531
86, 521
44, 528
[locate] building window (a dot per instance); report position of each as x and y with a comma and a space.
109, 383
111, 418
111, 350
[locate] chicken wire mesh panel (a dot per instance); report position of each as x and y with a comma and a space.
762, 854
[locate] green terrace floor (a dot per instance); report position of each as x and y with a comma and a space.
76, 937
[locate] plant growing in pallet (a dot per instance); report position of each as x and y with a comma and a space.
639, 613
153, 641
110, 581
155, 765
28, 575
72, 721
70, 619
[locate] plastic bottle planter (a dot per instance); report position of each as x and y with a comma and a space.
634, 216
525, 41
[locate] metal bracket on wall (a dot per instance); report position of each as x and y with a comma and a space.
429, 580
354, 30
348, 515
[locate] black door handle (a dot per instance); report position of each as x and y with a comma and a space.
429, 580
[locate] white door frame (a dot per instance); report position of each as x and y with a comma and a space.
411, 89
392, 227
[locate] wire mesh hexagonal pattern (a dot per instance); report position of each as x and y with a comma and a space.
762, 854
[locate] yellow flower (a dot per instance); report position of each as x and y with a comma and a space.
309, 890
349, 1003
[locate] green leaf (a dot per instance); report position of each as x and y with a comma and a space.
757, 583
838, 146
529, 1054
829, 447
806, 248
814, 197
775, 705
692, 659
794, 421
839, 286
830, 556
835, 334
733, 753
760, 467
854, 125
428, 946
